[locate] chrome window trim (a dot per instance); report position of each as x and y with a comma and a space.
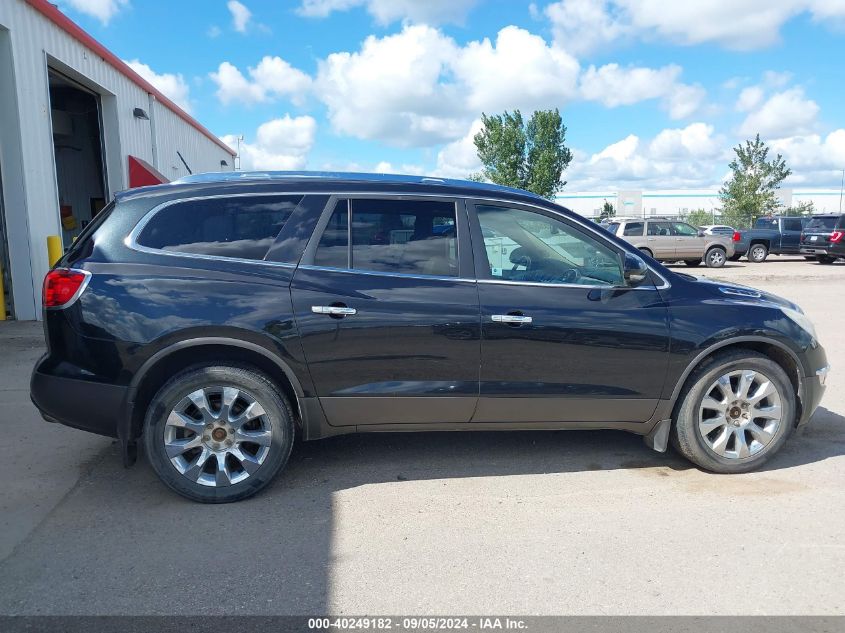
131, 240
378, 273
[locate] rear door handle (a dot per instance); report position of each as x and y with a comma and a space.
518, 319
334, 310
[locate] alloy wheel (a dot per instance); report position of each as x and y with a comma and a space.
217, 436
740, 414
716, 258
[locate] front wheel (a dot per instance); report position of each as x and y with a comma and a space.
218, 434
692, 263
735, 412
758, 253
715, 257
646, 251
825, 259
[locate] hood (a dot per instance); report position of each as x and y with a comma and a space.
746, 294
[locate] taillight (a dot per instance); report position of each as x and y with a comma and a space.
736, 236
836, 236
62, 285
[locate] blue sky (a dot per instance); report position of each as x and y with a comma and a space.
653, 95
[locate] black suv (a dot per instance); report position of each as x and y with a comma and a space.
824, 238
218, 317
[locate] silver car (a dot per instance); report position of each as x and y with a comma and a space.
672, 240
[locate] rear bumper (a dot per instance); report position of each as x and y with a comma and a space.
830, 251
81, 404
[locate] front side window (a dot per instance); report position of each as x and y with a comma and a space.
532, 247
417, 237
684, 229
241, 227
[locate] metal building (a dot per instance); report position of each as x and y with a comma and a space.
76, 125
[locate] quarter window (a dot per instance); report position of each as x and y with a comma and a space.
242, 227
532, 247
633, 229
682, 228
417, 237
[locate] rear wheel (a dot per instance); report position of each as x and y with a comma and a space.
758, 253
715, 257
734, 258
692, 263
735, 412
646, 251
218, 434
825, 259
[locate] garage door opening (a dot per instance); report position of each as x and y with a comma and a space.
5, 271
78, 149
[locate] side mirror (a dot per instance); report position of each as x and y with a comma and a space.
634, 269
701, 233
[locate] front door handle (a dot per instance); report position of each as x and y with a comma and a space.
516, 319
338, 311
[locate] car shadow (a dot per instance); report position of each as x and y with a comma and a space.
138, 548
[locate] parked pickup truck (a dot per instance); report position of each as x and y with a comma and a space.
777, 235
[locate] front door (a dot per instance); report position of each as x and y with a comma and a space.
688, 243
387, 308
790, 237
563, 338
659, 239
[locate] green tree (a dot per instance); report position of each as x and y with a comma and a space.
699, 217
802, 208
607, 211
528, 156
750, 191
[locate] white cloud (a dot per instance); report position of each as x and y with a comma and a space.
612, 85
814, 160
172, 85
103, 10
786, 113
520, 70
280, 144
459, 159
273, 77
392, 88
214, 31
682, 157
749, 98
385, 167
240, 15
583, 26
387, 11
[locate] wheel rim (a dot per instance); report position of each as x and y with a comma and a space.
717, 258
740, 414
757, 253
217, 436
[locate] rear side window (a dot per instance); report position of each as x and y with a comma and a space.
241, 227
397, 236
633, 229
792, 224
825, 223
659, 228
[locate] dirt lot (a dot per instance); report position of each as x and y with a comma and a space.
528, 523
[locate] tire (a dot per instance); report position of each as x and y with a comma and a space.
692, 263
825, 259
270, 424
734, 258
715, 257
757, 253
810, 258
720, 450
646, 251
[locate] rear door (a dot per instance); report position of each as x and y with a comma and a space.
387, 308
790, 237
659, 239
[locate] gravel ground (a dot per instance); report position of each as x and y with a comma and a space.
471, 523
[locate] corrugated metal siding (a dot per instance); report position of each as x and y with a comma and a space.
37, 42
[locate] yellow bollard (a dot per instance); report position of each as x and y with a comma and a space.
54, 249
2, 297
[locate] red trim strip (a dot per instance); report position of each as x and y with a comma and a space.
58, 18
